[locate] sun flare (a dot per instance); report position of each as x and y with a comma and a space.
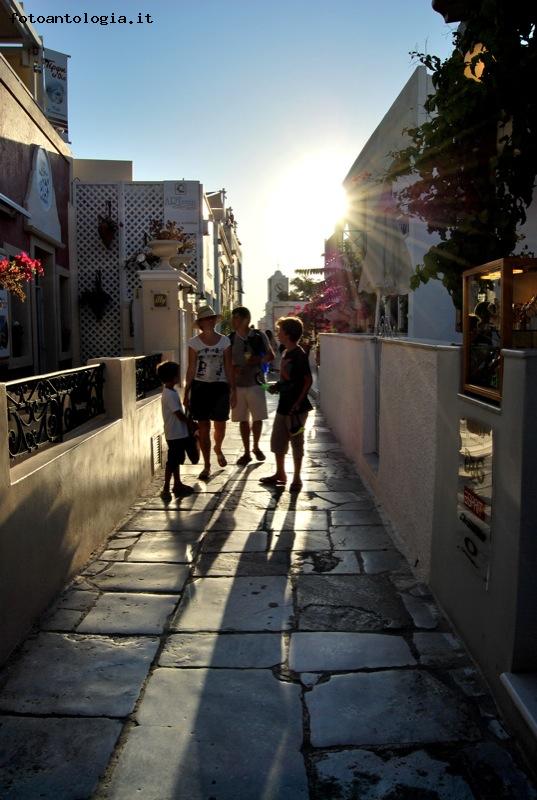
307, 200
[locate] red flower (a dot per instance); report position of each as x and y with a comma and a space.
18, 270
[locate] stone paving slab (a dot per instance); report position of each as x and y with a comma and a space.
54, 758
229, 734
122, 543
250, 500
304, 501
76, 600
342, 562
142, 614
113, 555
339, 498
199, 501
162, 546
424, 615
377, 561
62, 620
83, 675
235, 604
171, 764
212, 564
230, 650
246, 518
361, 774
235, 542
300, 541
349, 603
171, 520
297, 520
352, 710
367, 537
329, 651
439, 649
132, 577
355, 517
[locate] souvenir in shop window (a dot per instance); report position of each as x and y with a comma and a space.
499, 312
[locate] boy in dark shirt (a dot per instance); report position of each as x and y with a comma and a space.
293, 406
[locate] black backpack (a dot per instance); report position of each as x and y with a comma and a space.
256, 342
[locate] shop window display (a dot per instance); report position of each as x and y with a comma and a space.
500, 312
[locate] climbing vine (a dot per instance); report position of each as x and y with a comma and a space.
471, 166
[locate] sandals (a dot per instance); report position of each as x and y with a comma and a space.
296, 486
204, 475
272, 480
243, 460
259, 454
220, 457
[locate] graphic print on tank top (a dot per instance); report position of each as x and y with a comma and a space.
210, 364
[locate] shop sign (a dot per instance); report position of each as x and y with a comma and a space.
55, 74
4, 324
474, 494
160, 300
182, 204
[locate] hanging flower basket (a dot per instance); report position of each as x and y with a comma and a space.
17, 271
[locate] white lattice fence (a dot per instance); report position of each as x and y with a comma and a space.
97, 338
134, 206
142, 203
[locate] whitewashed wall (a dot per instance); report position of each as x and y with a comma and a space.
58, 506
414, 476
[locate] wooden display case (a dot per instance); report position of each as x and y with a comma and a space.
499, 311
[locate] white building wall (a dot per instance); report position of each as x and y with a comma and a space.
431, 311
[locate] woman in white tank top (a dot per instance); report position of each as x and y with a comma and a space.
210, 386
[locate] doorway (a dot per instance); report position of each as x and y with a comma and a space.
45, 330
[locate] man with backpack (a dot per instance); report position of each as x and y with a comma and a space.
250, 351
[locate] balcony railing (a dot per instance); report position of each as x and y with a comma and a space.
42, 409
146, 374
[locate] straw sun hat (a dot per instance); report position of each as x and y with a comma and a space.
206, 312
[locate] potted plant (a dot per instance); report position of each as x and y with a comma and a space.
169, 241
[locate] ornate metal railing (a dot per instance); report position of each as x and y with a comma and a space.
42, 409
146, 374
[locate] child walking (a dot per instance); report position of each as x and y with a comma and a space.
175, 430
293, 405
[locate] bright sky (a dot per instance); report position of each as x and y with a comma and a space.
271, 100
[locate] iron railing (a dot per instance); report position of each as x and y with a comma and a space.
42, 409
146, 374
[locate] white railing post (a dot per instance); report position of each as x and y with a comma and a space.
119, 386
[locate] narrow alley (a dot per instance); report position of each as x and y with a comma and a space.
246, 643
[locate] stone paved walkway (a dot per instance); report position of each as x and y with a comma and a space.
245, 644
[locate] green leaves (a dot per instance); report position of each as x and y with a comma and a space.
475, 160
